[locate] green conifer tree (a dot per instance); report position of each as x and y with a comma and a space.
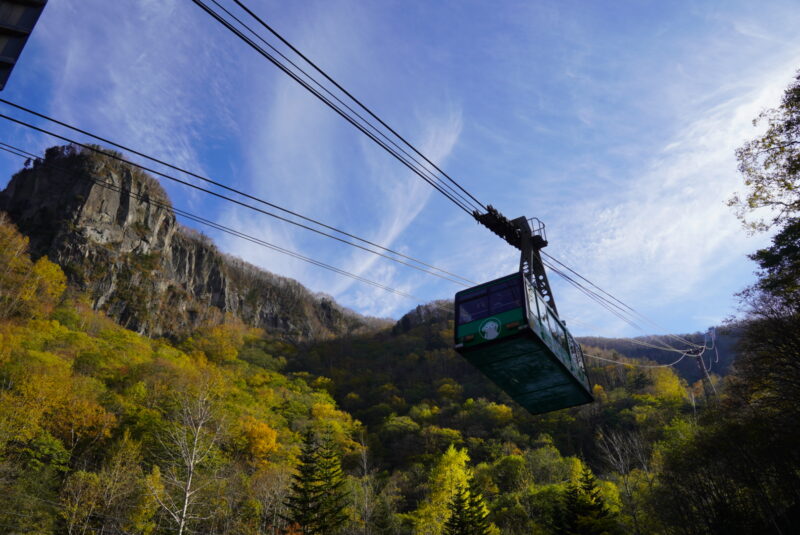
468, 513
459, 522
303, 503
318, 499
595, 507
334, 497
479, 513
569, 512
583, 510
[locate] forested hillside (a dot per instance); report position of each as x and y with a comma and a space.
104, 430
225, 428
719, 356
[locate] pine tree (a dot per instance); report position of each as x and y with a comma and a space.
304, 501
595, 506
569, 512
479, 513
583, 511
459, 521
468, 513
334, 497
318, 499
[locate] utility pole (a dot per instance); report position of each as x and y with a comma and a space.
704, 376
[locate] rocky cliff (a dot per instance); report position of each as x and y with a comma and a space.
112, 229
428, 314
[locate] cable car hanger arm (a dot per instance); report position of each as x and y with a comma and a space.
529, 239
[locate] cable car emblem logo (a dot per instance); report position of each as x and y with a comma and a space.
490, 329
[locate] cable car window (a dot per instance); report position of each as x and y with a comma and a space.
557, 331
472, 310
505, 297
540, 306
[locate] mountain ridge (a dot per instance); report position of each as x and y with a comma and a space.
112, 229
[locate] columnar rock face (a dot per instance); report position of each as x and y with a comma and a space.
112, 229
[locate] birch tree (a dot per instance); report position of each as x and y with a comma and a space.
188, 448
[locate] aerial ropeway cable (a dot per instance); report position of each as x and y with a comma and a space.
440, 185
432, 271
223, 186
354, 99
622, 304
491, 218
347, 106
11, 149
594, 296
636, 365
398, 140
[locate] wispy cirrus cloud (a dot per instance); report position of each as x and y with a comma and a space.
662, 238
616, 125
136, 72
303, 156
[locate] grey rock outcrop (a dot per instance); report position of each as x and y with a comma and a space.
112, 229
427, 314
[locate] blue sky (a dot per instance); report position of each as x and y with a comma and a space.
613, 122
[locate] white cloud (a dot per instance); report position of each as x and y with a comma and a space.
404, 194
669, 233
305, 157
138, 73
163, 77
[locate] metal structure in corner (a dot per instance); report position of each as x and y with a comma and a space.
17, 20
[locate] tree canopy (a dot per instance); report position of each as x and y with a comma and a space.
770, 165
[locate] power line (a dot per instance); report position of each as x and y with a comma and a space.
465, 206
226, 198
619, 362
225, 187
223, 228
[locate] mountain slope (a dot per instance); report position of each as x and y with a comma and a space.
718, 357
111, 228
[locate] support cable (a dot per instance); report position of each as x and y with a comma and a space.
225, 187
226, 198
223, 228
343, 90
604, 303
620, 303
364, 120
619, 362
465, 207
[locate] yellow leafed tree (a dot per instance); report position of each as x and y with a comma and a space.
448, 475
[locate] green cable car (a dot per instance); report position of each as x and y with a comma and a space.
507, 330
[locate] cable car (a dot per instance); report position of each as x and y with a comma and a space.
507, 330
